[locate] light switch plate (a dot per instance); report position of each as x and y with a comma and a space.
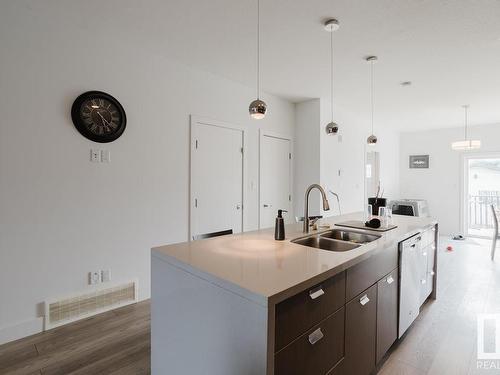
105, 276
105, 156
95, 156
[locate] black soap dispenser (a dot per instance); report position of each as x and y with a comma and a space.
279, 227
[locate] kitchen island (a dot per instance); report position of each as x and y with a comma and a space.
247, 304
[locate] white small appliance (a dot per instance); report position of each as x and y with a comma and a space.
410, 207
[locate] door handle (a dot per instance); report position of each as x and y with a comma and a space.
238, 206
364, 300
267, 205
316, 293
316, 336
423, 281
390, 280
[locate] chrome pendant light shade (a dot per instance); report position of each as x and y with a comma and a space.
372, 139
332, 25
258, 108
332, 128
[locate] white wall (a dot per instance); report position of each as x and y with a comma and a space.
344, 153
63, 216
441, 183
306, 155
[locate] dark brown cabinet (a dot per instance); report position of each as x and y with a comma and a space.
346, 324
387, 313
360, 333
315, 352
299, 313
371, 270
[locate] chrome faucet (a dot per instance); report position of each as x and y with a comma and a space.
326, 206
338, 200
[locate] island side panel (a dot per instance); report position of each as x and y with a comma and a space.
200, 328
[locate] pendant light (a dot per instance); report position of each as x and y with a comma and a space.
466, 144
331, 26
372, 139
258, 108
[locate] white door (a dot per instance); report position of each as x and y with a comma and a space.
216, 179
275, 179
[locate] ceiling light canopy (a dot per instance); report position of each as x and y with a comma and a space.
466, 144
258, 108
372, 139
331, 25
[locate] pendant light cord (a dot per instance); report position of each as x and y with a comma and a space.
466, 107
371, 82
332, 71
258, 49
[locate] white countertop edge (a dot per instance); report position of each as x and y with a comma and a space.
224, 284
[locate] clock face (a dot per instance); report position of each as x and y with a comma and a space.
98, 116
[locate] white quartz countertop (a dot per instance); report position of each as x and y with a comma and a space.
259, 268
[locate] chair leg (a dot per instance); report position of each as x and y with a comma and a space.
493, 247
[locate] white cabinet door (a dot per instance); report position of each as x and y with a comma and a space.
216, 179
275, 179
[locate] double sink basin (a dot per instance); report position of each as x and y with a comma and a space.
337, 240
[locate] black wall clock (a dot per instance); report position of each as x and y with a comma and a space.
98, 116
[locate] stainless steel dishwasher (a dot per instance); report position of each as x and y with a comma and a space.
410, 283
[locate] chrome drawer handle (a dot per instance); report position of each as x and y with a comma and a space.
424, 254
315, 336
364, 300
423, 281
431, 273
390, 280
317, 293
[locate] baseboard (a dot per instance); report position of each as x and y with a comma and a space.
20, 330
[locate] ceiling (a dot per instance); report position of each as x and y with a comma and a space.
448, 49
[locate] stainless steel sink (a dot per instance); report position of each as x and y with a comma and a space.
350, 236
322, 243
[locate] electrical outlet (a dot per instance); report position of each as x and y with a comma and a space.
105, 276
95, 156
94, 277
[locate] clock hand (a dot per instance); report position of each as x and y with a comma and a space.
103, 119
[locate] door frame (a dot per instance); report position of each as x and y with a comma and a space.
265, 133
464, 186
202, 120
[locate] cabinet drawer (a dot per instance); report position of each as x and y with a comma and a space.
387, 313
299, 313
315, 352
369, 271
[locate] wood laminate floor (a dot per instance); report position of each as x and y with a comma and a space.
442, 341
116, 342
